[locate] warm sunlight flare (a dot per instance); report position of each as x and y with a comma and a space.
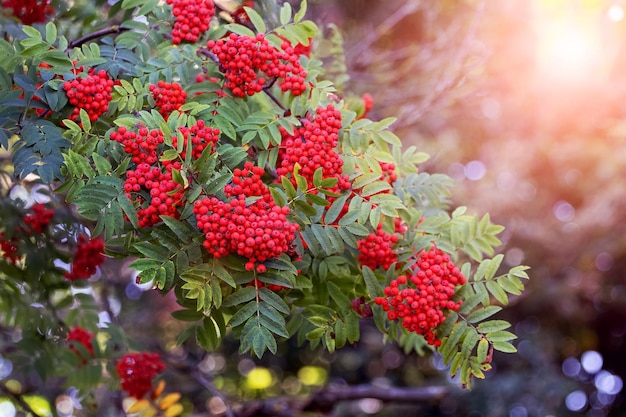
568, 51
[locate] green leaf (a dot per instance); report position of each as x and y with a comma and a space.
374, 289
483, 313
274, 300
335, 209
285, 13
301, 12
500, 336
256, 19
496, 290
493, 326
505, 347
243, 314
239, 297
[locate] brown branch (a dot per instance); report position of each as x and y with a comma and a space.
97, 34
325, 400
446, 81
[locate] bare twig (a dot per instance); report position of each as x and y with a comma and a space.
97, 34
447, 80
326, 399
357, 52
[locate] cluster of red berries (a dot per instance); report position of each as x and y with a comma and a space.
89, 255
39, 217
92, 93
250, 224
192, 19
141, 145
167, 97
29, 11
9, 249
376, 250
389, 172
202, 136
150, 183
136, 371
82, 336
242, 59
313, 146
165, 195
419, 299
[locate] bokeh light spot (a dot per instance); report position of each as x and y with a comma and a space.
576, 400
259, 378
604, 261
571, 367
564, 211
312, 375
475, 170
370, 405
608, 383
6, 367
591, 361
616, 13
7, 409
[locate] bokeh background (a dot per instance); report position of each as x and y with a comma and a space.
523, 104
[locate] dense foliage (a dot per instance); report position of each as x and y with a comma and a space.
241, 179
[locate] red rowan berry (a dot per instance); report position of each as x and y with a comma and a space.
427, 294
136, 371
246, 61
29, 11
168, 97
82, 336
193, 18
39, 217
9, 249
88, 255
81, 93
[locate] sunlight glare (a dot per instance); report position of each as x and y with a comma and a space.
567, 52
616, 13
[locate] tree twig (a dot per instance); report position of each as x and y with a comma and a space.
325, 400
97, 34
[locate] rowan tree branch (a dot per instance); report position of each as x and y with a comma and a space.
326, 399
97, 34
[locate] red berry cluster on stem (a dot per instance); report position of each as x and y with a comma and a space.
29, 11
192, 19
167, 97
82, 336
257, 230
376, 250
136, 371
89, 255
9, 249
92, 93
420, 299
151, 184
39, 218
313, 146
248, 64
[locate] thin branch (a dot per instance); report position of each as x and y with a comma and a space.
326, 399
358, 51
97, 34
214, 391
266, 90
447, 80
